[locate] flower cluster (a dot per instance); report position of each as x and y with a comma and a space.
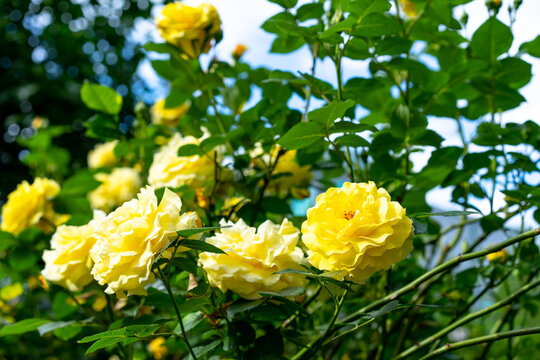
30, 205
118, 250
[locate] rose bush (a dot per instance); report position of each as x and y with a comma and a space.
256, 212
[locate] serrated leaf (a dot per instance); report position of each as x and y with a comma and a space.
23, 326
302, 135
243, 306
101, 98
202, 246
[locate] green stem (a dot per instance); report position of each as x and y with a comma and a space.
178, 316
440, 269
317, 343
467, 319
481, 340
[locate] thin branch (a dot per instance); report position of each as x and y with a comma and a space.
481, 340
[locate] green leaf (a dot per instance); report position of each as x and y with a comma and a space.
290, 291
391, 306
352, 140
445, 214
491, 39
162, 48
286, 44
294, 271
210, 143
532, 47
302, 135
327, 114
350, 127
79, 184
45, 328
309, 11
101, 98
190, 232
242, 306
287, 4
202, 350
6, 240
361, 8
275, 205
102, 127
189, 150
376, 25
106, 342
185, 264
23, 326
202, 246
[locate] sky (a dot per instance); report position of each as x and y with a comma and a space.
241, 21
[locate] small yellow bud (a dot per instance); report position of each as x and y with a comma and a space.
238, 51
499, 256
157, 347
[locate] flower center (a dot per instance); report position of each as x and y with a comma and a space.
349, 214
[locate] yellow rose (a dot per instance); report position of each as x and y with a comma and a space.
167, 116
169, 169
68, 263
102, 155
29, 205
157, 347
358, 230
499, 256
294, 179
191, 29
253, 258
129, 238
121, 185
